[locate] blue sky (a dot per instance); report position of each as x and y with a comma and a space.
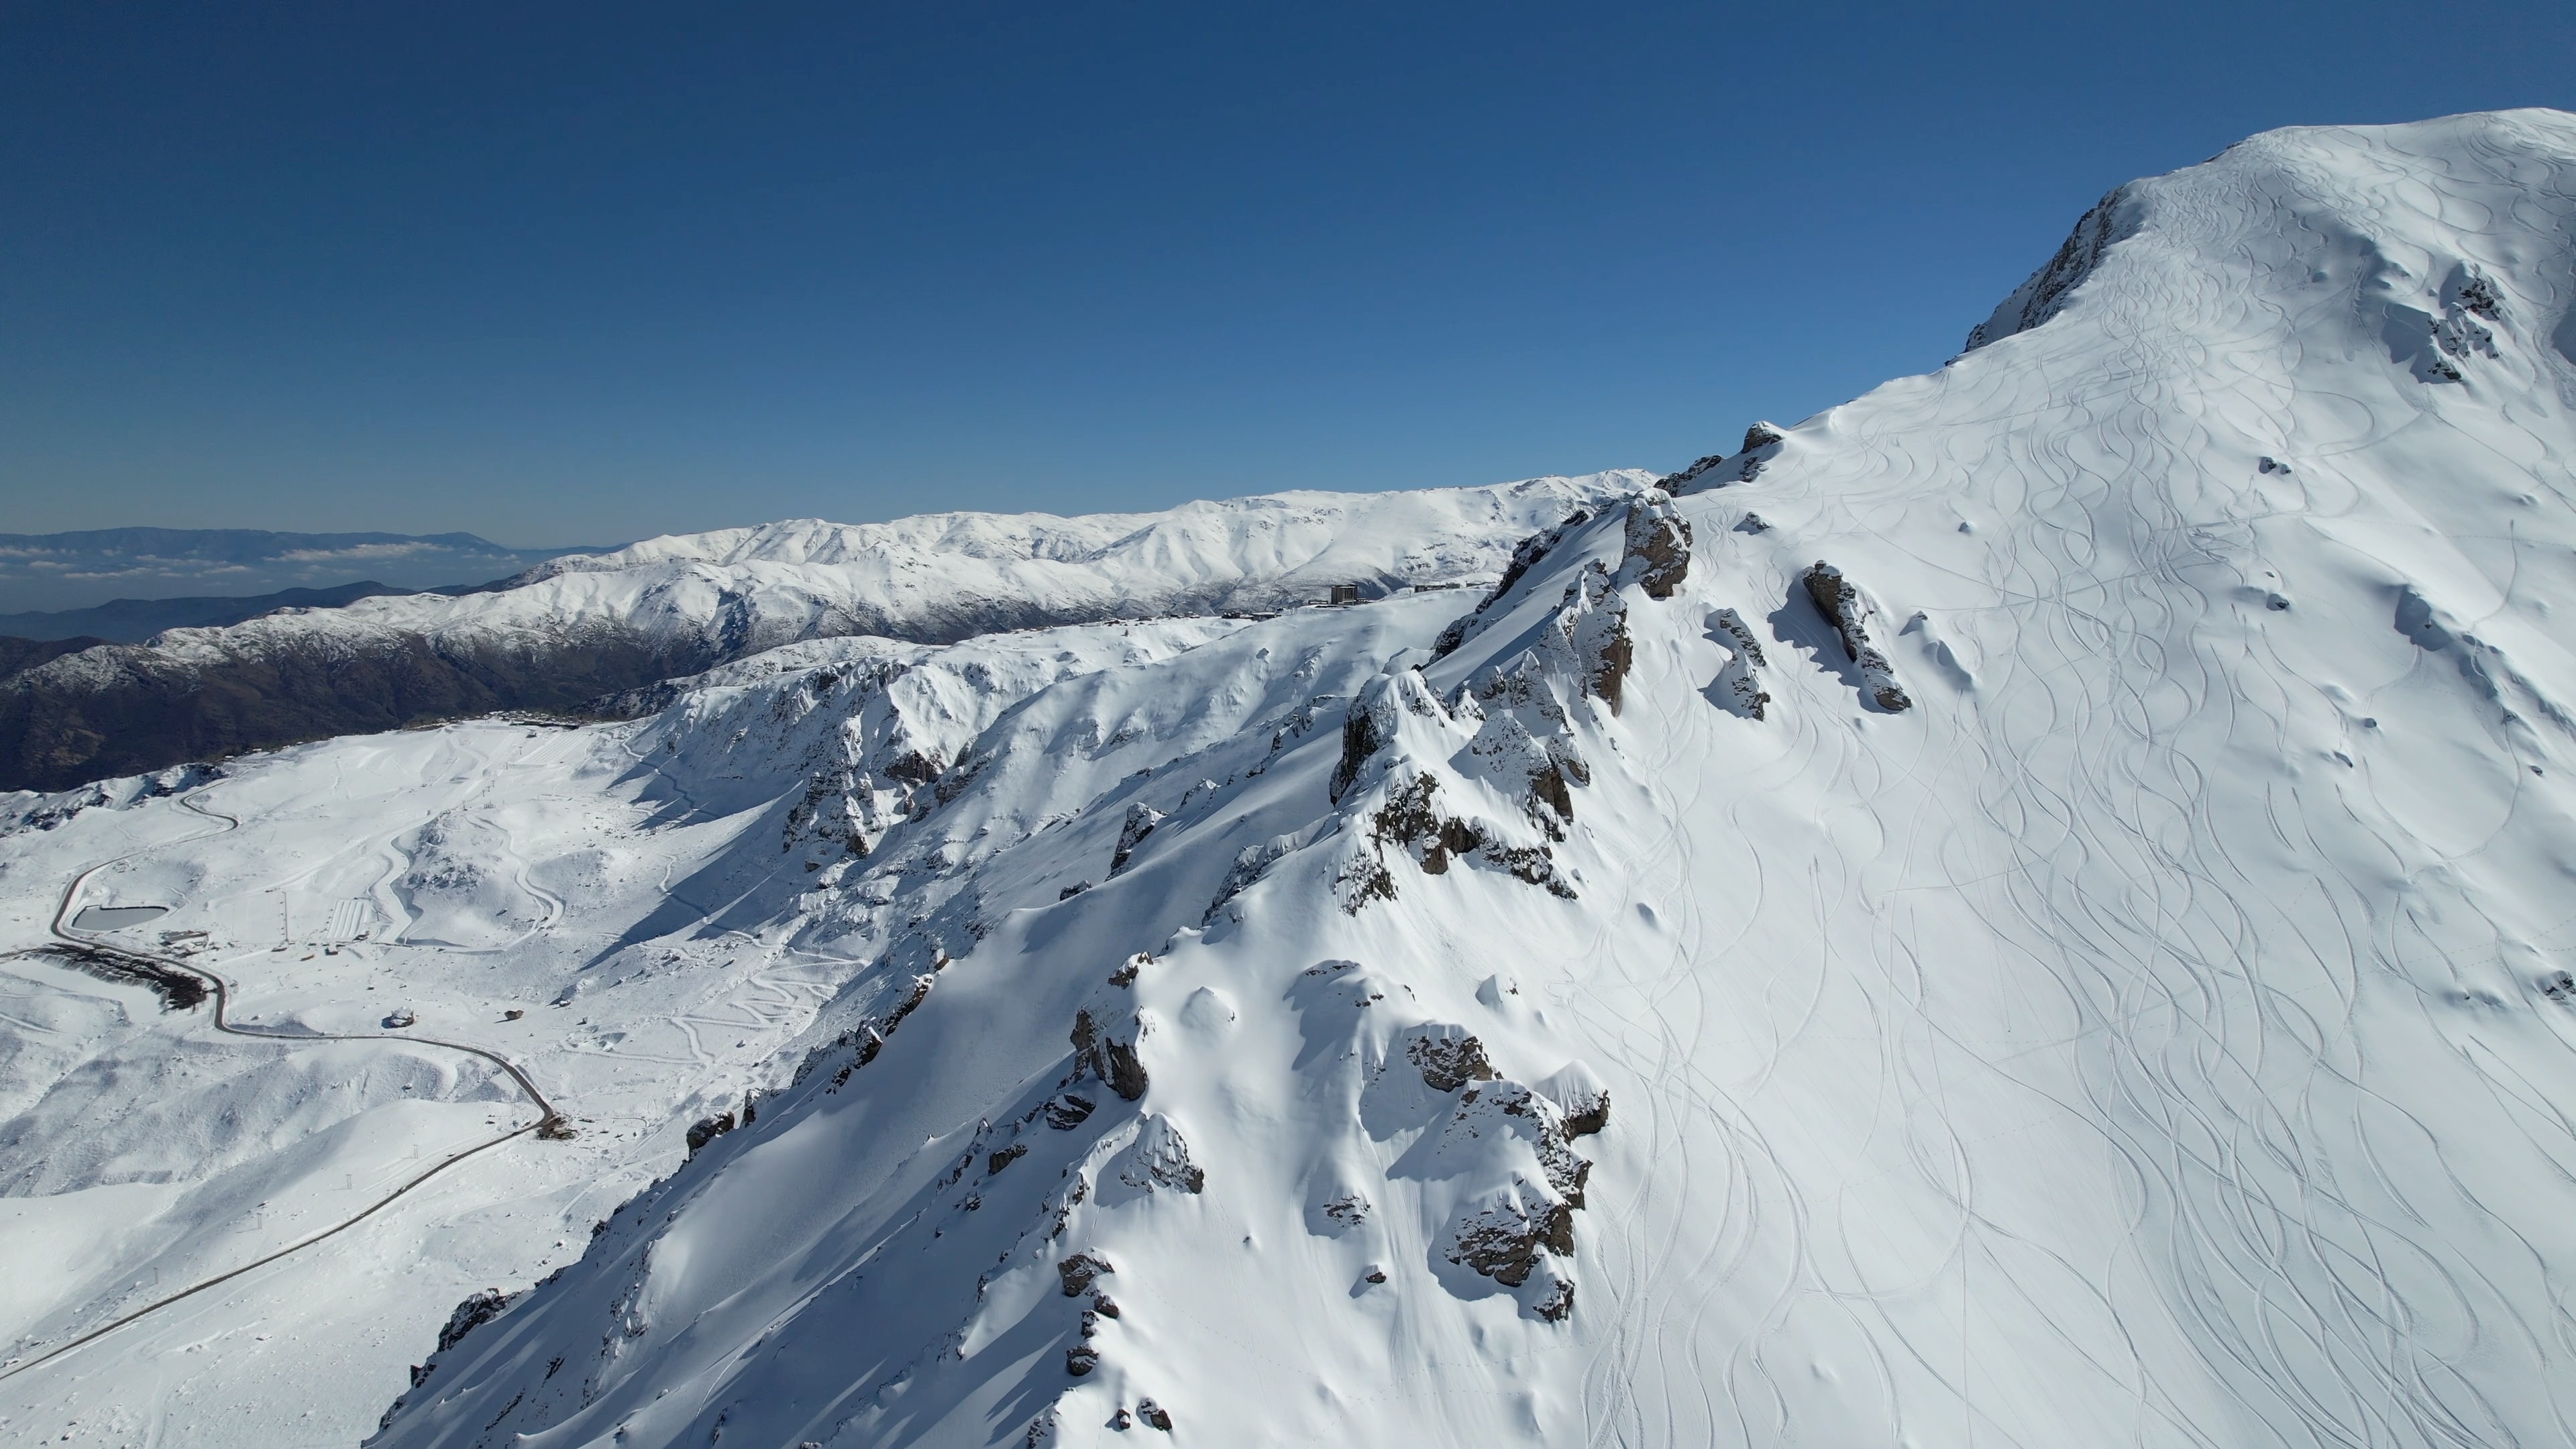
559, 274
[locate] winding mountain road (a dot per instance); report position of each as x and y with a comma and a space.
550, 1122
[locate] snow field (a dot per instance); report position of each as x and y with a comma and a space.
177, 1154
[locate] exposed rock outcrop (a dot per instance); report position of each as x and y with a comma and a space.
859, 1045
1448, 1057
472, 1314
1158, 1158
1761, 444
1557, 1303
1524, 558
1580, 1096
1374, 719
1547, 769
1140, 822
1514, 1226
1426, 766
1657, 546
1348, 1210
1699, 468
1527, 1115
1738, 687
2458, 333
1844, 606
1359, 741
1594, 629
1410, 823
1252, 862
1105, 1038
1503, 1240
1078, 1272
2110, 221
708, 1129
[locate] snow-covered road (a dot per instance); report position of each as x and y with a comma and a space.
547, 1120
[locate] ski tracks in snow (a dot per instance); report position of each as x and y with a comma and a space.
2108, 873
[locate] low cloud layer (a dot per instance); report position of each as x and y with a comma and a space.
64, 571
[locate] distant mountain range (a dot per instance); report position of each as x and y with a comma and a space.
573, 629
131, 621
83, 570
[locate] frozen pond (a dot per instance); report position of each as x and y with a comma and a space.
108, 918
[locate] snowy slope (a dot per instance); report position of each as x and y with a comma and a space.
621, 895
2027, 908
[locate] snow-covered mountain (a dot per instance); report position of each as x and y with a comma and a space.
2026, 908
585, 625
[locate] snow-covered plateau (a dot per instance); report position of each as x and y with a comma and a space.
2030, 908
